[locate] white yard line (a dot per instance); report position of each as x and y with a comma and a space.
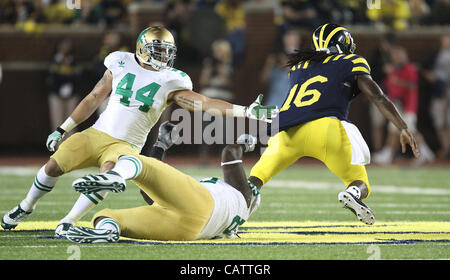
277, 183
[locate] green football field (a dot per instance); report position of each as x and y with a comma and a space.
299, 219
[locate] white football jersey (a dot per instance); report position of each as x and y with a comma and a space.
138, 97
230, 210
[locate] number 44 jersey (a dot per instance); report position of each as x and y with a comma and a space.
322, 89
138, 97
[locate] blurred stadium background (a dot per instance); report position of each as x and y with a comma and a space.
51, 54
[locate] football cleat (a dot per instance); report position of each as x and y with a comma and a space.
108, 181
62, 229
14, 217
90, 235
361, 210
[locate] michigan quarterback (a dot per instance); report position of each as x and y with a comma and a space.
140, 86
182, 208
313, 119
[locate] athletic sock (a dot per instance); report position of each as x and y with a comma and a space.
42, 185
108, 223
128, 167
83, 205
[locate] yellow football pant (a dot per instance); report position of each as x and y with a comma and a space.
89, 148
181, 210
324, 139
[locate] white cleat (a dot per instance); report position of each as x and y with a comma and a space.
361, 210
108, 181
14, 217
90, 235
62, 229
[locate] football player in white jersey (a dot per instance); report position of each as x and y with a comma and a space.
140, 86
183, 208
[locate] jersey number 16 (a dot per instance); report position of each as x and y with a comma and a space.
303, 92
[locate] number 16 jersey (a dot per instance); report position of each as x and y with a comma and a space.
138, 97
322, 89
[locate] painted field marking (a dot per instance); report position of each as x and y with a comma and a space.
296, 233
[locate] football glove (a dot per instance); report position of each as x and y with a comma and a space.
256, 198
54, 138
248, 141
257, 111
167, 135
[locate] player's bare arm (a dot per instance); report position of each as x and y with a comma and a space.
84, 110
196, 102
233, 171
374, 93
93, 100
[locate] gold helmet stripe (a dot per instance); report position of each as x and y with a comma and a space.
334, 31
321, 36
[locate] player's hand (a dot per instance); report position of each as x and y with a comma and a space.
257, 111
248, 141
407, 138
53, 139
256, 198
167, 135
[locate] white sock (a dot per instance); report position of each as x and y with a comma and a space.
128, 167
83, 205
42, 185
108, 223
355, 191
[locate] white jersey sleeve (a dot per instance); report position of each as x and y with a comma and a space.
138, 97
183, 83
112, 61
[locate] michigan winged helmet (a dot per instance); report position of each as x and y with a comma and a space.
155, 46
333, 38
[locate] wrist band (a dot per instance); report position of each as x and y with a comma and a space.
68, 125
231, 162
239, 111
60, 130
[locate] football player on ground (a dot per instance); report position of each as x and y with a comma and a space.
313, 119
181, 208
140, 86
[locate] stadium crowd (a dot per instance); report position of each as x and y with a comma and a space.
398, 14
402, 80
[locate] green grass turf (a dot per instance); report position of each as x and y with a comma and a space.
299, 193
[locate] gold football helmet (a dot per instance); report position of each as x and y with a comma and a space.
155, 46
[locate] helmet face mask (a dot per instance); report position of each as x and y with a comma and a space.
156, 47
160, 55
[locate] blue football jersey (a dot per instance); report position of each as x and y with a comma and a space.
321, 89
